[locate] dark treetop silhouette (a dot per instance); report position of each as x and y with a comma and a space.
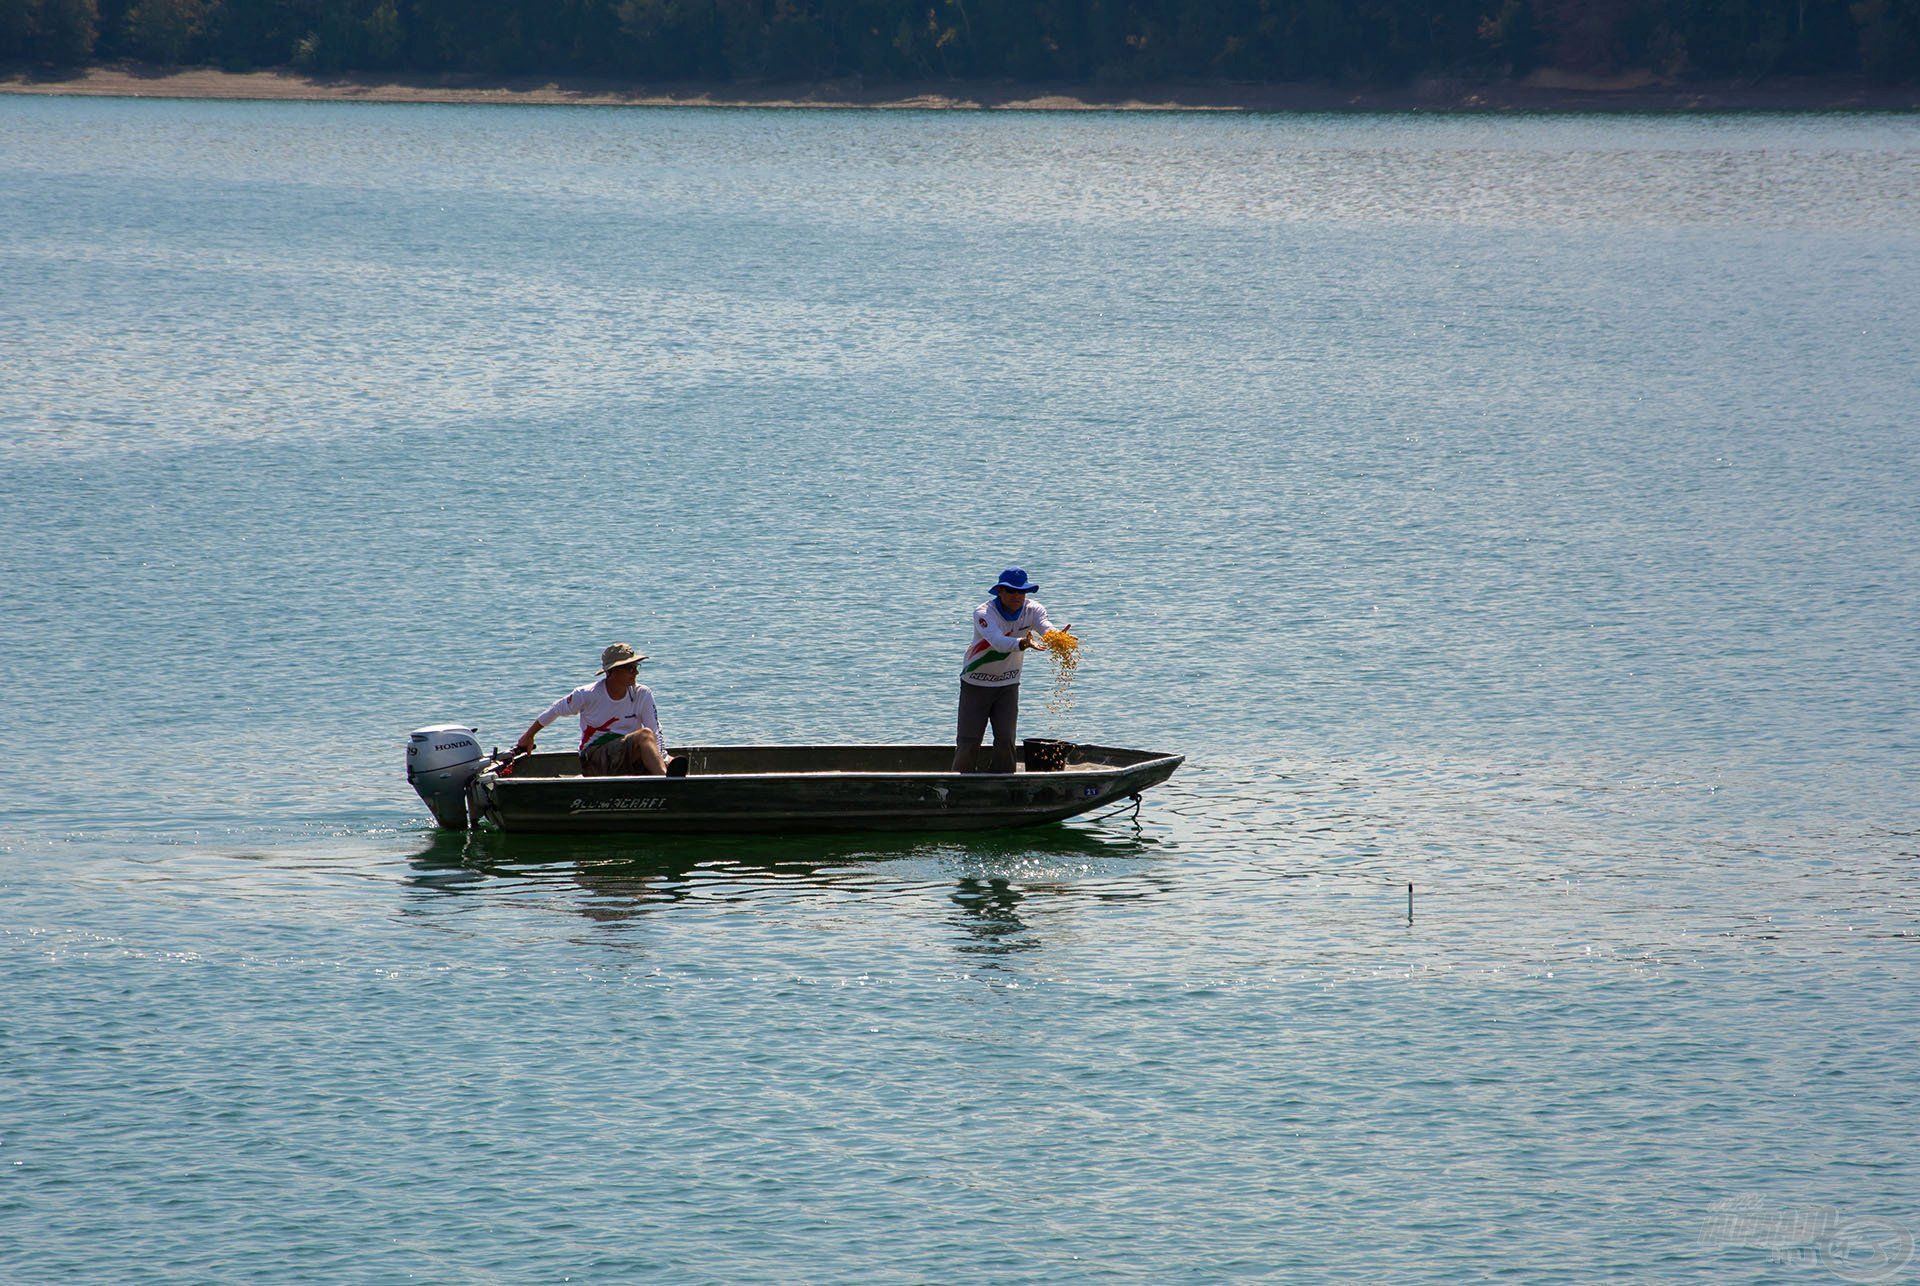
1116, 41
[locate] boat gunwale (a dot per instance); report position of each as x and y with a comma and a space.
1108, 771
495, 781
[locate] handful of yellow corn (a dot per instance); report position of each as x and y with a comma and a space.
1064, 649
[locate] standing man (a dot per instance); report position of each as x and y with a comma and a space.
619, 724
990, 680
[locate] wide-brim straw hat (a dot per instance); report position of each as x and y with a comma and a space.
618, 655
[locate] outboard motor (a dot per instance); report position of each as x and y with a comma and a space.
440, 763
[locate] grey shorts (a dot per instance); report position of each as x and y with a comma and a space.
980, 706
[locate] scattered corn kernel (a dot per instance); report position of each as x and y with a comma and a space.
1064, 649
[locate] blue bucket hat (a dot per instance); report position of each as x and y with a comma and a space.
1016, 580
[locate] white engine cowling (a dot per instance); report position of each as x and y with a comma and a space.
440, 763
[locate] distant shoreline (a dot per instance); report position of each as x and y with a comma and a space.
1543, 92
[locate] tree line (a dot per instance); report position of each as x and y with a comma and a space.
1373, 41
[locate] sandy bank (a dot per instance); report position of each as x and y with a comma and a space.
1542, 92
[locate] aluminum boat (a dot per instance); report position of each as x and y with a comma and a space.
746, 789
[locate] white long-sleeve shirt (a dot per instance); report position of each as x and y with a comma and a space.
602, 716
995, 658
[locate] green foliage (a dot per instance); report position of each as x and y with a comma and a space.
1889, 39
1512, 35
240, 34
161, 31
1745, 38
667, 38
64, 32
1119, 41
384, 36
16, 28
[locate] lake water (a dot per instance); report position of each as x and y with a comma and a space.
1527, 509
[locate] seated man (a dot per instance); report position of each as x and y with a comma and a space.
619, 724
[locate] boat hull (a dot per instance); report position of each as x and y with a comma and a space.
785, 789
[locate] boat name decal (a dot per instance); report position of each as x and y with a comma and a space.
616, 805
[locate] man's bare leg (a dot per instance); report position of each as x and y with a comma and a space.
643, 754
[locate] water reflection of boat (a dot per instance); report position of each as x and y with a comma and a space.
997, 871
783, 789
823, 857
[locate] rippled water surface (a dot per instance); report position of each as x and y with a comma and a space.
1525, 509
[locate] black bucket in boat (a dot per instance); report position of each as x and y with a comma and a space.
1043, 755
